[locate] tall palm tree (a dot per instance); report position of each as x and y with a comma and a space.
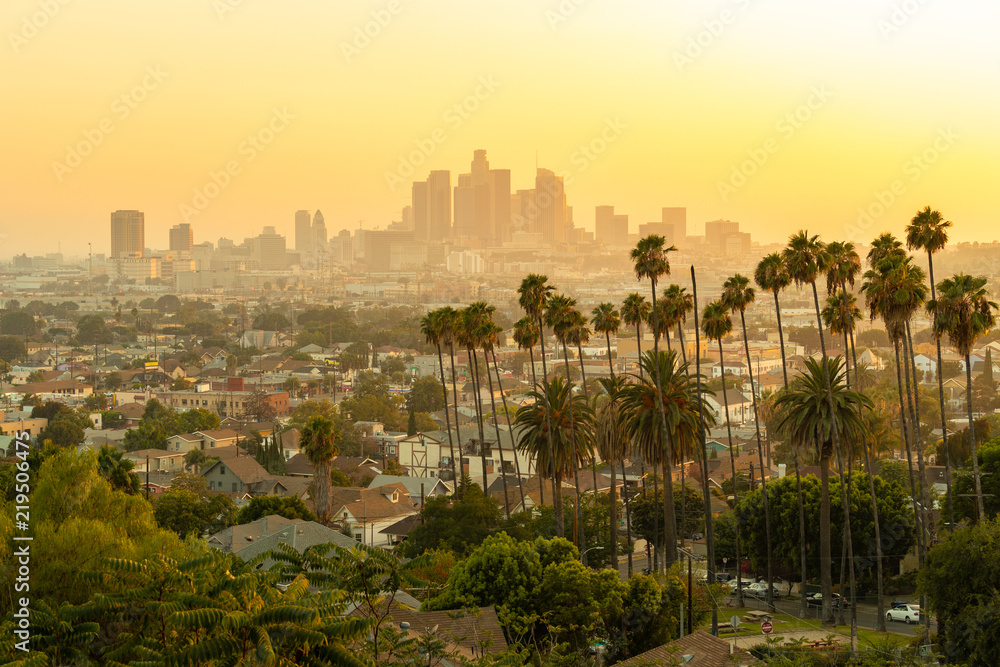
806, 256
649, 259
928, 231
843, 266
526, 336
533, 295
963, 311
716, 325
772, 276
606, 320
677, 304
450, 321
319, 444
468, 335
510, 430
573, 419
894, 290
805, 414
579, 335
737, 295
612, 443
635, 312
489, 337
432, 327
559, 315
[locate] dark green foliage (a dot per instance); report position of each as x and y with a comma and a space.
186, 512
261, 506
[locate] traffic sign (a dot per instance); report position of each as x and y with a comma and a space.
735, 621
766, 627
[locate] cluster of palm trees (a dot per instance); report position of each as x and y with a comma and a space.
658, 414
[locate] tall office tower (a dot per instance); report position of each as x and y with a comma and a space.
717, 233
465, 208
418, 200
303, 232
610, 229
520, 208
408, 218
550, 203
677, 216
500, 209
438, 206
664, 229
319, 232
128, 234
268, 250
482, 202
181, 238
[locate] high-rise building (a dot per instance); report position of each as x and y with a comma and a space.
500, 204
268, 250
181, 238
438, 206
610, 229
319, 232
550, 206
465, 208
677, 216
303, 232
664, 229
418, 202
128, 234
717, 233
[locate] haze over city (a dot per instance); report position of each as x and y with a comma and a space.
695, 90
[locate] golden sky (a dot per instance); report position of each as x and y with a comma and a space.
778, 113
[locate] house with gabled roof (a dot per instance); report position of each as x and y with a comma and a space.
238, 475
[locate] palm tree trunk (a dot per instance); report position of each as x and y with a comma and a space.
583, 378
510, 430
880, 603
906, 443
680, 341
447, 419
611, 366
669, 524
760, 458
944, 420
981, 514
835, 431
560, 528
534, 386
613, 521
496, 428
802, 533
849, 542
628, 517
557, 499
474, 365
925, 497
709, 528
458, 428
917, 445
638, 346
736, 491
825, 560
655, 551
576, 463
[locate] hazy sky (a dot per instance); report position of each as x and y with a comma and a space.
777, 113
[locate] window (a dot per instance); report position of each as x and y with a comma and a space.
222, 470
211, 485
234, 486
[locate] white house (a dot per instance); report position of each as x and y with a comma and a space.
925, 364
740, 407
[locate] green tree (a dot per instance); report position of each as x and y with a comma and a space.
427, 394
12, 349
261, 506
117, 470
458, 527
186, 512
647, 510
319, 444
92, 330
18, 323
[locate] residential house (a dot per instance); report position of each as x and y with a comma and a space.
367, 512
156, 460
203, 440
417, 488
239, 475
251, 539
58, 387
699, 648
740, 407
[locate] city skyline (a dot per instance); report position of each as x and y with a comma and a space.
731, 109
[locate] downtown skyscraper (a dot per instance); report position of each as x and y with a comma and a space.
128, 234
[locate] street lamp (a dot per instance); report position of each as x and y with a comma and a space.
598, 548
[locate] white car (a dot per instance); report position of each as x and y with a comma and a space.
908, 613
759, 591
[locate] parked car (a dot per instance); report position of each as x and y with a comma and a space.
816, 600
908, 613
759, 591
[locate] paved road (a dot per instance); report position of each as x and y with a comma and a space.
866, 613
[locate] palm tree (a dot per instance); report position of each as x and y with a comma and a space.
489, 336
649, 258
612, 443
805, 258
606, 320
559, 315
928, 231
526, 336
894, 290
635, 312
805, 415
716, 325
963, 311
319, 444
579, 335
432, 327
533, 296
468, 335
737, 295
554, 404
450, 321
677, 304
